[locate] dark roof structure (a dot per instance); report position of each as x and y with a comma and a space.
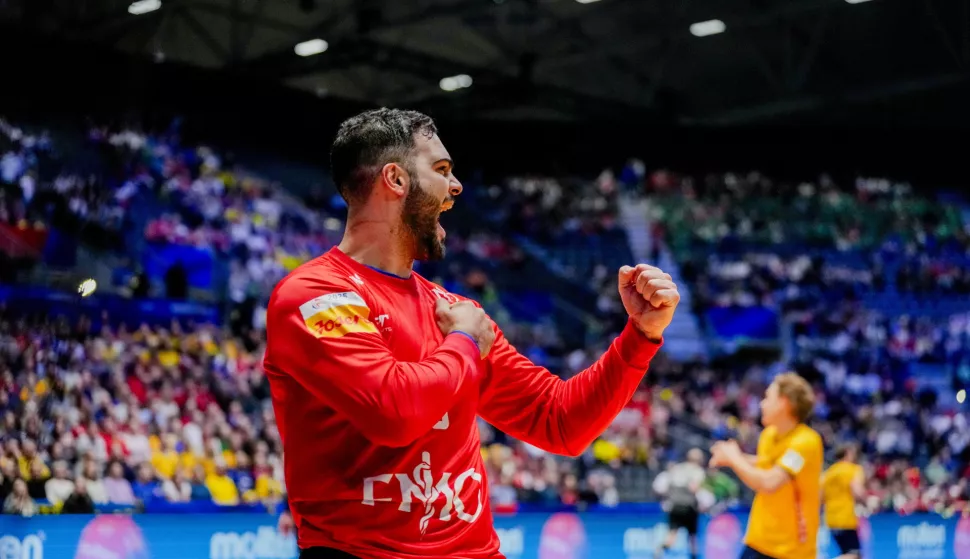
567, 60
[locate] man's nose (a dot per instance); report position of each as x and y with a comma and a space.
454, 187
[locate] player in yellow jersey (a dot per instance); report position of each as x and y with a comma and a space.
784, 475
843, 484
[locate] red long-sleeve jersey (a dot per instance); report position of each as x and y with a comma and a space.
377, 409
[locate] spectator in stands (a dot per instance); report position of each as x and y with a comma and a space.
19, 501
200, 491
146, 486
8, 474
60, 486
62, 389
166, 460
79, 502
94, 484
37, 482
574, 492
178, 489
221, 486
29, 460
242, 476
118, 489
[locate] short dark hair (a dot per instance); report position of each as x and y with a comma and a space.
370, 140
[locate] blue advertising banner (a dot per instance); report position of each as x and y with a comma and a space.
523, 536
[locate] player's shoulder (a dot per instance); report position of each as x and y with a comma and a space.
807, 434
767, 434
320, 277
833, 470
808, 438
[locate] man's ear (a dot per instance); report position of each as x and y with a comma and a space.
395, 178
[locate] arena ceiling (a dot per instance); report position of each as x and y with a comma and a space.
552, 59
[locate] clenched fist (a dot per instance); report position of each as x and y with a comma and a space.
649, 297
464, 316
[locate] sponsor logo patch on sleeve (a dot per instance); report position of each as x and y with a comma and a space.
335, 314
792, 461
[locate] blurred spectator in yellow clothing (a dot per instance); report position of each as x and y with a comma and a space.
166, 460
30, 463
188, 460
606, 451
268, 488
168, 357
221, 486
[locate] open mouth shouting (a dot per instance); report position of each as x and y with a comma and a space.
447, 205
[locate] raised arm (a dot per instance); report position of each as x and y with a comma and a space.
563, 417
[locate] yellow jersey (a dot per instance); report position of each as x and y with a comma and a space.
165, 463
222, 489
837, 495
784, 524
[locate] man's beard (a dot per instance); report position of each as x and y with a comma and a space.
420, 218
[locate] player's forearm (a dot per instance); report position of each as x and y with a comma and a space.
758, 479
390, 402
413, 397
589, 402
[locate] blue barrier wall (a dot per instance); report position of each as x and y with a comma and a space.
32, 299
524, 536
158, 258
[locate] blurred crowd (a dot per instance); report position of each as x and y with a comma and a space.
869, 280
246, 220
97, 413
95, 416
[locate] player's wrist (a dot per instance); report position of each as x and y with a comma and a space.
654, 337
467, 335
635, 348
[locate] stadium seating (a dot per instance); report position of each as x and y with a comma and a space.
816, 276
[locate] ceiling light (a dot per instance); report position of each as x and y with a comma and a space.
144, 6
855, 1
709, 27
454, 83
587, 1
311, 47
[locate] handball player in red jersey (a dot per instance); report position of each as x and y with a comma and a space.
377, 374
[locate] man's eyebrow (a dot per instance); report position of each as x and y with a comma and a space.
444, 160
